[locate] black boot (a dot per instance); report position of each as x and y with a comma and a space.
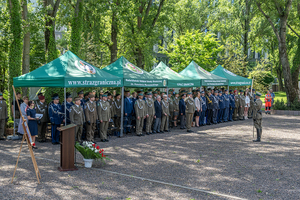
258, 135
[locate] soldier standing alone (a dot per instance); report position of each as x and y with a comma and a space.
190, 110
77, 117
104, 114
91, 117
257, 115
140, 113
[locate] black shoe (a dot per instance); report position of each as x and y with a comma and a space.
41, 141
57, 143
161, 131
138, 135
103, 141
147, 133
143, 134
106, 140
54, 143
182, 128
95, 142
153, 132
34, 147
2, 138
189, 131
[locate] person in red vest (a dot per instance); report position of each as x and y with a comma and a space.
268, 103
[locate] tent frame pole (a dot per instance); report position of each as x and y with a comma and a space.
122, 112
14, 110
65, 106
228, 88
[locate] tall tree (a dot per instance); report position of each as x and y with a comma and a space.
26, 43
15, 51
77, 25
51, 8
278, 11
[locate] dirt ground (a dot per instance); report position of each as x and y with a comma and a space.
214, 162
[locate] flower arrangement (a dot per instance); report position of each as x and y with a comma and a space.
90, 151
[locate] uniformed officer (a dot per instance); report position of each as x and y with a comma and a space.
128, 109
171, 107
110, 101
42, 108
154, 95
252, 97
117, 113
165, 114
237, 106
90, 117
210, 106
80, 96
221, 107
176, 108
56, 116
77, 117
140, 113
215, 107
257, 115
226, 102
104, 114
69, 104
190, 110
150, 113
3, 116
182, 108
242, 104
231, 105
204, 107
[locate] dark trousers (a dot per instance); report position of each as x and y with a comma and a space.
230, 113
201, 118
182, 121
220, 115
55, 133
209, 116
225, 114
215, 116
42, 128
127, 121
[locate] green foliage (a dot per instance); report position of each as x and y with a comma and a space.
90, 151
77, 25
15, 50
262, 76
52, 52
193, 46
281, 105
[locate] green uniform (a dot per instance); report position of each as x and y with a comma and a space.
140, 113
91, 117
176, 105
250, 109
171, 109
242, 104
104, 115
3, 116
165, 115
42, 108
257, 117
77, 117
150, 112
117, 113
237, 106
189, 112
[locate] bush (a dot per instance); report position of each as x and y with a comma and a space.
280, 105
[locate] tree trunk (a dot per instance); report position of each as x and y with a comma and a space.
246, 31
77, 25
140, 58
279, 76
114, 35
48, 31
26, 47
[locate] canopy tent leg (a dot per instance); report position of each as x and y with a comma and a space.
122, 112
167, 92
65, 106
228, 88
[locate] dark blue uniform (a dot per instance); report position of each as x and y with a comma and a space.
231, 106
215, 109
221, 109
69, 105
210, 106
226, 110
202, 116
182, 108
128, 109
56, 118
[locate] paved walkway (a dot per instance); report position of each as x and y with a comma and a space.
214, 162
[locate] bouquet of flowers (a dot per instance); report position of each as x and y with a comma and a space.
90, 151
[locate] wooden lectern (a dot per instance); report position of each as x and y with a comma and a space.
67, 149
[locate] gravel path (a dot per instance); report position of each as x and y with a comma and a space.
221, 159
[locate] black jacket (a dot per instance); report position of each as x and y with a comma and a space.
181, 107
158, 109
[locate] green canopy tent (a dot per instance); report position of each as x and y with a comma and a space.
68, 71
175, 80
193, 70
134, 76
234, 80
